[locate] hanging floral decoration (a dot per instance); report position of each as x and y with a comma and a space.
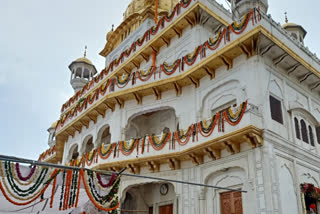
145, 76
310, 190
232, 115
159, 144
189, 59
140, 41
50, 152
90, 157
102, 199
101, 189
21, 195
170, 69
238, 28
104, 153
183, 137
123, 80
126, 148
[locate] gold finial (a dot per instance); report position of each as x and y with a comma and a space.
286, 17
85, 51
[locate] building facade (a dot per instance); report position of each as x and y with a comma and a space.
195, 93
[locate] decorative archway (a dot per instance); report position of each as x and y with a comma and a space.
146, 197
153, 121
73, 153
104, 136
87, 144
217, 201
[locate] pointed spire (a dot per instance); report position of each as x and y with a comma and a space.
85, 51
286, 17
112, 27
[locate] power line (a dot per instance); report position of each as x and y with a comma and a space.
33, 162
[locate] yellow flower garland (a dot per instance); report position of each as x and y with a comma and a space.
147, 73
103, 150
217, 38
126, 146
234, 115
242, 22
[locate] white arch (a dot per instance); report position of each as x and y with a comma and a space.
234, 177
288, 196
84, 143
101, 129
224, 92
74, 147
294, 108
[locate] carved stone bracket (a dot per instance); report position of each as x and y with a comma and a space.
197, 159
174, 163
153, 166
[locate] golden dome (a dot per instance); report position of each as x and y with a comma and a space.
84, 59
293, 26
290, 24
139, 6
53, 125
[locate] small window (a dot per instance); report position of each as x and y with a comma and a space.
276, 110
318, 134
296, 125
311, 136
294, 35
304, 131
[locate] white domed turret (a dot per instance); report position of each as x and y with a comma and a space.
241, 7
296, 31
52, 132
82, 71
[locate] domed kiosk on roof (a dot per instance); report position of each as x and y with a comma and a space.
82, 71
295, 30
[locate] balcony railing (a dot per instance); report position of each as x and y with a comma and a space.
181, 67
227, 130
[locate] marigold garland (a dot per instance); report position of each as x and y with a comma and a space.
26, 183
35, 196
159, 144
140, 41
94, 197
189, 59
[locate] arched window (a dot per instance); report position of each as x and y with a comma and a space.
294, 35
86, 74
318, 134
296, 125
304, 131
311, 136
73, 153
104, 136
88, 144
78, 73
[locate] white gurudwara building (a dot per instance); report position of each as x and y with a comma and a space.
193, 92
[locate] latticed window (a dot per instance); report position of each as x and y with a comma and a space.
297, 128
318, 134
304, 131
276, 110
311, 136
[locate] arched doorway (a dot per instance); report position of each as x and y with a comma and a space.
149, 198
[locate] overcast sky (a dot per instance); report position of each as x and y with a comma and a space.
40, 38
